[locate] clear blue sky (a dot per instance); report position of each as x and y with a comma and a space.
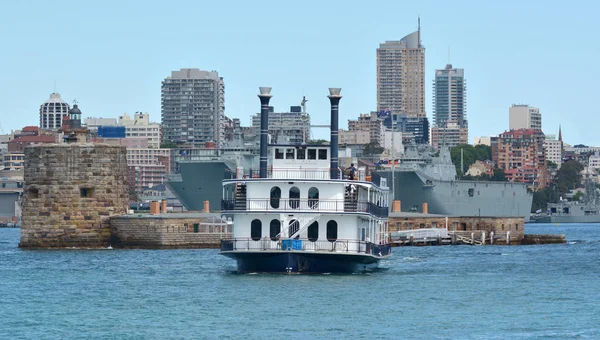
112, 55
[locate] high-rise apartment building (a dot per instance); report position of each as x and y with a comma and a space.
193, 107
450, 126
523, 116
52, 112
401, 76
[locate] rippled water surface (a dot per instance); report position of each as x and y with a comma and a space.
471, 292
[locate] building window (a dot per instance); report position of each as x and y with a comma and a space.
196, 227
86, 192
275, 197
255, 229
274, 229
294, 197
313, 198
313, 231
293, 228
332, 231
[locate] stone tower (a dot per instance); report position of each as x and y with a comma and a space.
71, 190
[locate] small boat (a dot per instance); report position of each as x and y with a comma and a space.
299, 215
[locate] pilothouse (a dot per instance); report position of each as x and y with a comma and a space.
298, 214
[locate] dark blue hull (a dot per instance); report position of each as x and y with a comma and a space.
302, 262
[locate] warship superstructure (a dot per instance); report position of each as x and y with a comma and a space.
424, 176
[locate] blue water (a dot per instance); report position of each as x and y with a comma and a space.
463, 292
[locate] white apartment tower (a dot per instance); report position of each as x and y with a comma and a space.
52, 112
193, 106
401, 76
521, 116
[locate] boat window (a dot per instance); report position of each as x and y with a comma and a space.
278, 153
255, 229
332, 231
322, 153
294, 197
293, 228
312, 153
275, 197
313, 198
313, 231
274, 229
300, 153
289, 154
363, 234
471, 192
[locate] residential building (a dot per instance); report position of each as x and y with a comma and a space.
291, 127
18, 144
594, 161
401, 76
147, 167
193, 106
52, 112
522, 116
14, 161
141, 127
370, 123
520, 153
354, 137
92, 123
414, 129
449, 107
482, 141
393, 138
553, 150
450, 135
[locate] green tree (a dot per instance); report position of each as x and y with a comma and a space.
469, 157
483, 152
578, 196
568, 177
499, 175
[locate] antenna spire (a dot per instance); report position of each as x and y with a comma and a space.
419, 30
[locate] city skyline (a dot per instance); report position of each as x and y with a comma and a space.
518, 62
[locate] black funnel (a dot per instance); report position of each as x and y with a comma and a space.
265, 96
334, 98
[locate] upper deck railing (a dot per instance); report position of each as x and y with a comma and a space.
303, 205
305, 173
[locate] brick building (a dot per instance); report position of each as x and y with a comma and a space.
520, 153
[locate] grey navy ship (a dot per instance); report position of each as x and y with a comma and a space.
565, 211
421, 176
425, 176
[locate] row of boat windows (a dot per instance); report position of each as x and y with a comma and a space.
293, 227
293, 153
294, 197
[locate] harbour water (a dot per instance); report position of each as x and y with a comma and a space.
463, 292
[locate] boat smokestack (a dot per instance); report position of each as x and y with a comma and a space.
264, 96
334, 99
